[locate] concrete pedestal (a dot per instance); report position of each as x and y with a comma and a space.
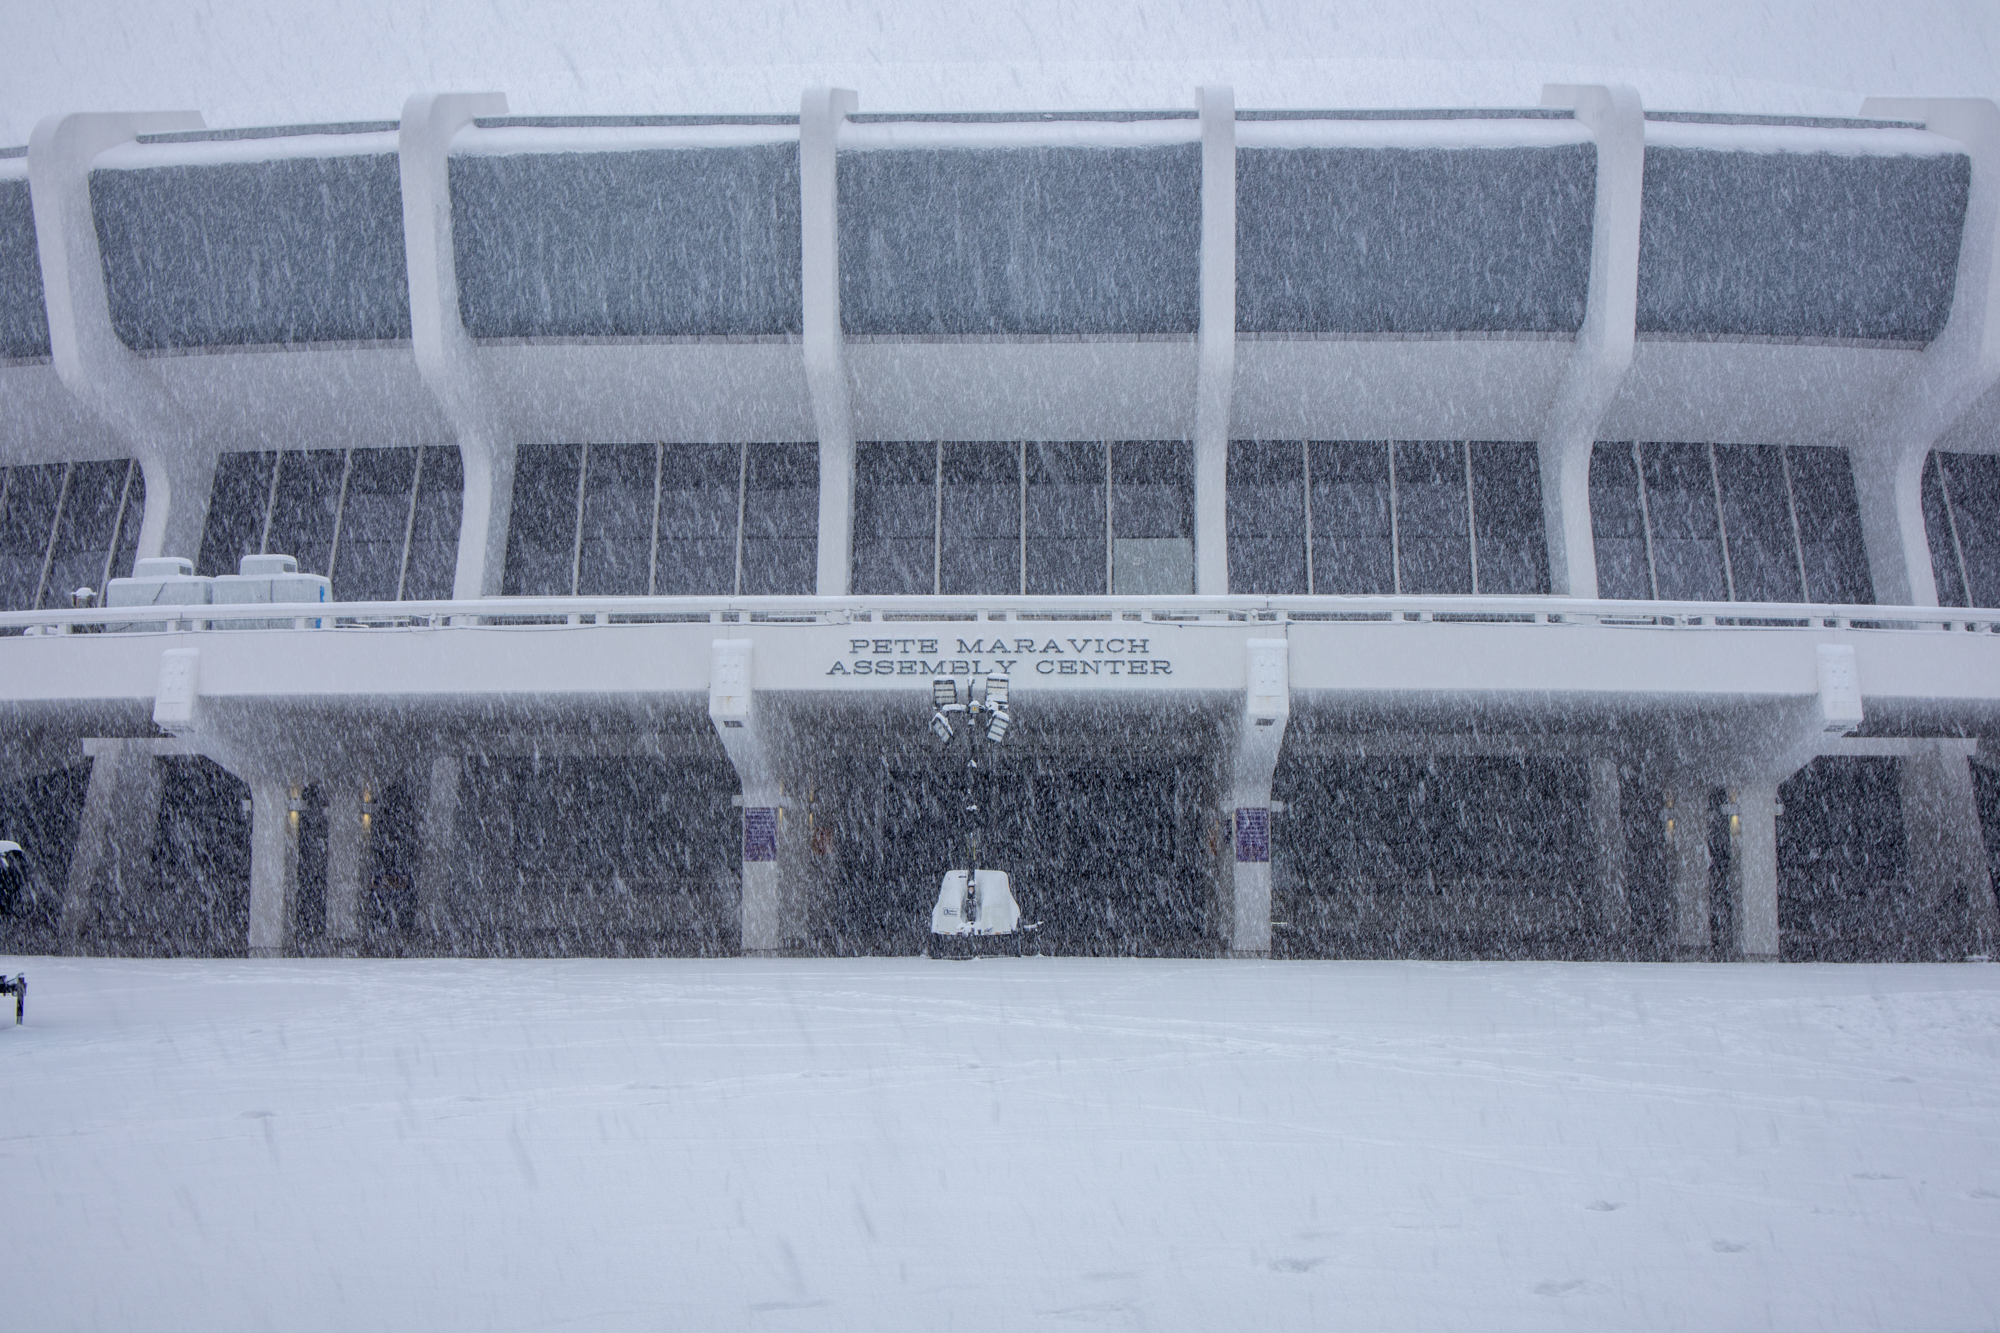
113, 853
1685, 815
1607, 831
1753, 870
347, 837
274, 866
1947, 849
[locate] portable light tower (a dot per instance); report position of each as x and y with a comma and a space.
973, 904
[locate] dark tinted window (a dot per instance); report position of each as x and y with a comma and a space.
895, 518
1066, 548
781, 520
1267, 517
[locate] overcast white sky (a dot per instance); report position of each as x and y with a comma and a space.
246, 62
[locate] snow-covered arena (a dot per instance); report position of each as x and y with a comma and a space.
1560, 525
559, 564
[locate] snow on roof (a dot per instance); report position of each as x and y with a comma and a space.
247, 62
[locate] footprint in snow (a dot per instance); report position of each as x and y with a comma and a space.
1297, 1265
1729, 1246
1555, 1288
1603, 1206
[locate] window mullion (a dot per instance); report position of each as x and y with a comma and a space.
1306, 472
1792, 510
117, 526
1721, 525
1021, 472
742, 506
1110, 537
576, 540
339, 511
55, 527
1646, 519
653, 547
271, 503
410, 523
1471, 517
1951, 525
1395, 527
937, 518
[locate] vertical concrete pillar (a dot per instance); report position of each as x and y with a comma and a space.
274, 864
1948, 861
1244, 874
769, 921
1607, 830
1215, 376
446, 359
1604, 343
1957, 367
438, 870
348, 830
1753, 869
823, 344
1684, 815
1888, 488
176, 510
104, 375
113, 853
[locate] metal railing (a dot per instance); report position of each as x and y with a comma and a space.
1191, 612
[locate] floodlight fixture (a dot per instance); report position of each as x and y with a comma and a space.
941, 726
944, 693
996, 728
996, 693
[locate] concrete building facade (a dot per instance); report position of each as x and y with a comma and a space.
1566, 531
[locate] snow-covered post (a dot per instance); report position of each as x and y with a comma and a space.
821, 112
1215, 375
732, 710
274, 862
1684, 814
114, 836
1603, 351
1244, 873
438, 870
1753, 868
1752, 780
1607, 826
1948, 864
348, 820
103, 374
1951, 374
446, 358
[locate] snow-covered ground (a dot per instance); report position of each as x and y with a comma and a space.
898, 1144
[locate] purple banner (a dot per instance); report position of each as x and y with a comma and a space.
1253, 833
760, 833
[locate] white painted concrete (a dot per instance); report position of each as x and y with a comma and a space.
1603, 351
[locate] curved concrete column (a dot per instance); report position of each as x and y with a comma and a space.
1603, 352
446, 358
105, 375
821, 111
1752, 812
732, 710
1684, 823
1250, 760
274, 863
1959, 366
1215, 379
